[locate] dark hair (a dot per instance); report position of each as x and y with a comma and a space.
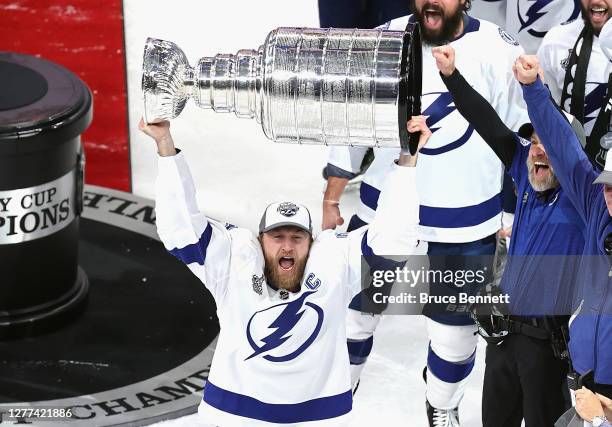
466, 6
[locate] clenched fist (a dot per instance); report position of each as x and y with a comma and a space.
526, 69
331, 215
445, 59
160, 132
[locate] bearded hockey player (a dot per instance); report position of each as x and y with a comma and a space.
281, 296
459, 187
578, 74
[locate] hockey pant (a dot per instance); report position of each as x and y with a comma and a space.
450, 359
452, 347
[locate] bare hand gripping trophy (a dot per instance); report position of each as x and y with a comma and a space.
304, 85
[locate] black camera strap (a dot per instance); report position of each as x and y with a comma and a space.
596, 148
601, 129
577, 81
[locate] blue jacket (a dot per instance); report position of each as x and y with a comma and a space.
540, 271
591, 328
539, 276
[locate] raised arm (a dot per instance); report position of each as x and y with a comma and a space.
394, 228
572, 166
393, 232
202, 244
474, 108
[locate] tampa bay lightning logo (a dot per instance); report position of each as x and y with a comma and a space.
436, 112
284, 331
531, 19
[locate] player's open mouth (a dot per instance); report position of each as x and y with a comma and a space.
433, 17
540, 167
286, 263
599, 14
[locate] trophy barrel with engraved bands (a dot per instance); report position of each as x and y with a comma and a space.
304, 85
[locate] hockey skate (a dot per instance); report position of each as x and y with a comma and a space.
442, 417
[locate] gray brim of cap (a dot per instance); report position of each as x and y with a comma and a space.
604, 178
284, 224
579, 131
526, 129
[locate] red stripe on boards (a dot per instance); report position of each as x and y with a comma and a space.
85, 36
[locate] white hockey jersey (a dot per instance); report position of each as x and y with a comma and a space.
459, 176
527, 21
281, 357
554, 55
490, 10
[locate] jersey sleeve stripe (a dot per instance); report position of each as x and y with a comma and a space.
333, 170
430, 216
245, 406
467, 216
195, 252
369, 195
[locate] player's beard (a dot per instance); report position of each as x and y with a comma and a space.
541, 184
586, 17
450, 25
274, 277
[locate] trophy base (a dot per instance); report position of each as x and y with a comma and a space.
49, 316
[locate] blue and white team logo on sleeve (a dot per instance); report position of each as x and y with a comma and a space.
539, 16
284, 331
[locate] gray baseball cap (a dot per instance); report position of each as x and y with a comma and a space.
605, 177
526, 130
285, 214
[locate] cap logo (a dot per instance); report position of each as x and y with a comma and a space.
288, 209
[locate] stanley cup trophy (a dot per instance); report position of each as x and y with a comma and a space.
304, 85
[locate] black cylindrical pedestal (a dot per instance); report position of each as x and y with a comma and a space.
43, 110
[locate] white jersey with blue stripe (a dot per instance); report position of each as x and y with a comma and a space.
529, 21
554, 55
459, 176
281, 357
